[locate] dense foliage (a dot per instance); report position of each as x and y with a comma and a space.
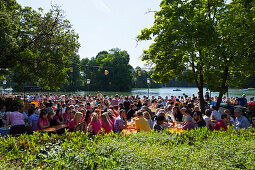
203, 39
116, 62
35, 46
10, 103
199, 149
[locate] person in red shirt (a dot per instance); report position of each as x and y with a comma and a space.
251, 104
221, 124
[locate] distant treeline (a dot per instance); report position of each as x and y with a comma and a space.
108, 71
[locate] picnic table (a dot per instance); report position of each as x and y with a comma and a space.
55, 129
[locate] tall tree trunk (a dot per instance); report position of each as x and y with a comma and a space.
223, 87
201, 99
201, 93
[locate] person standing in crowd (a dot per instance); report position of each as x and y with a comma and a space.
120, 122
43, 121
221, 124
16, 120
251, 104
242, 101
141, 123
241, 122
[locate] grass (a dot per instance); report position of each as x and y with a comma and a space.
200, 149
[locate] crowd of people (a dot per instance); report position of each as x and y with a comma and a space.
101, 114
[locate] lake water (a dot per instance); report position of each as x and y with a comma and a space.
168, 91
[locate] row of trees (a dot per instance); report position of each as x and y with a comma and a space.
38, 49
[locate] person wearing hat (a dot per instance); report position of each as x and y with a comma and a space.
242, 101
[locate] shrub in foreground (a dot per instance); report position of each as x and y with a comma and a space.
200, 149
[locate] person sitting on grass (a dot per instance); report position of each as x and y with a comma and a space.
75, 121
43, 121
141, 123
221, 124
158, 125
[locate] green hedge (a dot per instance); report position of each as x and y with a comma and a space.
199, 149
10, 102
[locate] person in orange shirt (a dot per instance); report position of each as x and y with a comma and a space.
141, 123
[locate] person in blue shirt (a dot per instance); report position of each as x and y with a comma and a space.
32, 120
241, 122
242, 101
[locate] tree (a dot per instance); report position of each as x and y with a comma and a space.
35, 44
116, 62
189, 37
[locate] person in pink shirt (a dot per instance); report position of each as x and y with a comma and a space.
74, 122
111, 117
95, 124
16, 120
43, 121
66, 115
106, 123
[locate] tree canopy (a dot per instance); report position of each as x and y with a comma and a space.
210, 41
116, 62
37, 45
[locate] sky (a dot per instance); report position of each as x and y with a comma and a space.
106, 24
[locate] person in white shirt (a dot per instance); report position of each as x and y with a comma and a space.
207, 118
215, 114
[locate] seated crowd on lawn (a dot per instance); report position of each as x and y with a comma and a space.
102, 114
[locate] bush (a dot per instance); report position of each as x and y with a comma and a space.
199, 149
10, 102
